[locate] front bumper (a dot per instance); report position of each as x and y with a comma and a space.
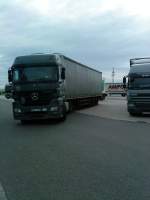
139, 106
35, 112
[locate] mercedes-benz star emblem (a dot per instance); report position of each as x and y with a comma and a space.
34, 96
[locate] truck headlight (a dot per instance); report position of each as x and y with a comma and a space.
132, 95
131, 104
60, 100
44, 109
17, 110
54, 108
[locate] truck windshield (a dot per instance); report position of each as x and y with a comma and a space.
39, 73
139, 83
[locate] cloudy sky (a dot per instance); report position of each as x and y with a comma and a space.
100, 33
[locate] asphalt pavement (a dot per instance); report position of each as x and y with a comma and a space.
85, 158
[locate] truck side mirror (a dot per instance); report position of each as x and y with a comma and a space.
63, 74
124, 82
8, 91
9, 75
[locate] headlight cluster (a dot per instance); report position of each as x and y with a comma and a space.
17, 110
132, 95
54, 108
60, 100
131, 104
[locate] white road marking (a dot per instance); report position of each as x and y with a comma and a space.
2, 193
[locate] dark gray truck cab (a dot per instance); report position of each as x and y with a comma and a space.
37, 87
138, 95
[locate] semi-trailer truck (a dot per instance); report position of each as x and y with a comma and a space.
138, 95
46, 86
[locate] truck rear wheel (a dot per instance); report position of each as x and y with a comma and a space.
63, 117
96, 101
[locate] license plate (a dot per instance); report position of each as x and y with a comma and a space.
35, 109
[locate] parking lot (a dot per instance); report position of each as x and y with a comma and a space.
114, 107
89, 156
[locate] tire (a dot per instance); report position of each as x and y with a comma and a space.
71, 108
96, 102
132, 114
123, 95
135, 113
63, 117
63, 114
103, 98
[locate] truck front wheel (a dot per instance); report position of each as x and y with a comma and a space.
63, 114
135, 113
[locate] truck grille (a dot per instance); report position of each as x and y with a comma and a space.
142, 102
144, 95
35, 98
143, 105
147, 99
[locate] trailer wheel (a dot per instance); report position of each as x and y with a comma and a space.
96, 101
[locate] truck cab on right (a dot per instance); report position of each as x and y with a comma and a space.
138, 95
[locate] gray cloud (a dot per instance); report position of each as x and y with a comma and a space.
103, 41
